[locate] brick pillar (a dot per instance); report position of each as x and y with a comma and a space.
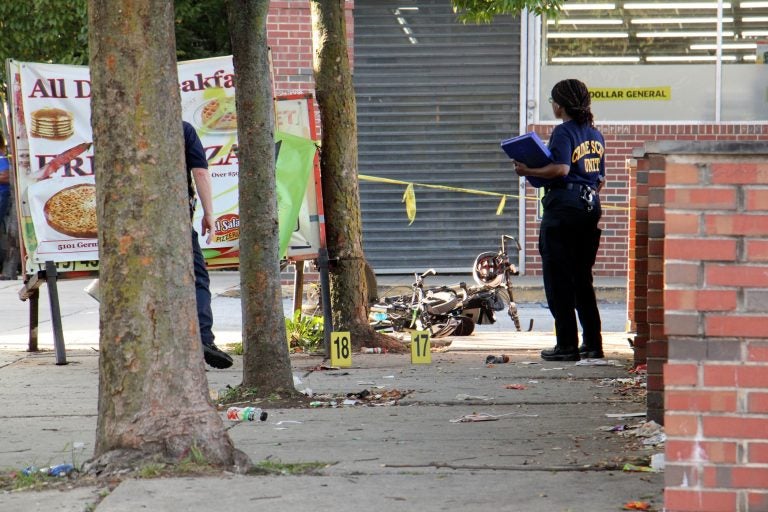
639, 257
632, 233
716, 298
656, 348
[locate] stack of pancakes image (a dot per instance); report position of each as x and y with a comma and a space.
52, 123
219, 114
72, 211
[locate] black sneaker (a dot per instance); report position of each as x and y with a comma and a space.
587, 353
216, 357
558, 354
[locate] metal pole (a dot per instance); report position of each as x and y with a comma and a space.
53, 295
298, 285
34, 299
325, 297
719, 62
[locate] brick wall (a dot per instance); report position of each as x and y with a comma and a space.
621, 140
656, 344
637, 281
716, 321
289, 35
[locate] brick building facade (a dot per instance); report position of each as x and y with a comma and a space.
705, 313
685, 221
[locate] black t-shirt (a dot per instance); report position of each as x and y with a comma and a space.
582, 147
194, 157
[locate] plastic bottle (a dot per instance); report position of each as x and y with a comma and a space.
379, 317
373, 350
246, 414
61, 470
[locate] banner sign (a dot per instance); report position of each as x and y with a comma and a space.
50, 111
661, 93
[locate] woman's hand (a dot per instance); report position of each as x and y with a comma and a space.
520, 168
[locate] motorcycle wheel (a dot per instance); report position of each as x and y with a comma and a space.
464, 326
443, 329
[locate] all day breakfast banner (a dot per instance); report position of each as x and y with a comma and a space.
50, 111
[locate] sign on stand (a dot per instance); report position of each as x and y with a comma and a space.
341, 349
52, 146
421, 350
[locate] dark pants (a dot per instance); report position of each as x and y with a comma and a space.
568, 243
5, 208
202, 292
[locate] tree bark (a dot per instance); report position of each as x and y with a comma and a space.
267, 366
338, 164
153, 393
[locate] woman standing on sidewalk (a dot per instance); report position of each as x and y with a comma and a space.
568, 235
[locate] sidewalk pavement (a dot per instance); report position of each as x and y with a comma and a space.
545, 448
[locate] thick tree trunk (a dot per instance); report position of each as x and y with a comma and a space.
338, 163
266, 363
153, 393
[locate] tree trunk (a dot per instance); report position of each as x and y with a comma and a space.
338, 164
267, 366
153, 393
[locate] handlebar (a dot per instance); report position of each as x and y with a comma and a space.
420, 278
508, 237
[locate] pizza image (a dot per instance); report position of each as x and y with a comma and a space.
72, 211
219, 114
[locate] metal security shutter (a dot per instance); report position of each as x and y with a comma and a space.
434, 99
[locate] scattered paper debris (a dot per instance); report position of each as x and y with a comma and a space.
463, 396
597, 362
484, 416
615, 428
656, 440
469, 418
635, 468
649, 429
637, 505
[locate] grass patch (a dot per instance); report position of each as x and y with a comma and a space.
232, 395
276, 467
151, 470
304, 332
235, 348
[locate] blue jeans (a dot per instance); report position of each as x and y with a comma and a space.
202, 293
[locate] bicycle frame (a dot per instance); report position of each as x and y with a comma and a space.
510, 270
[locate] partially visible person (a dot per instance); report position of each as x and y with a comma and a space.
568, 236
5, 203
197, 171
198, 179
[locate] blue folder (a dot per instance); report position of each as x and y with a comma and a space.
529, 149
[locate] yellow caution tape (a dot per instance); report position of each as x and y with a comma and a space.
409, 196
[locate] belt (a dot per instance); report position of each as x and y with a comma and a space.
565, 186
